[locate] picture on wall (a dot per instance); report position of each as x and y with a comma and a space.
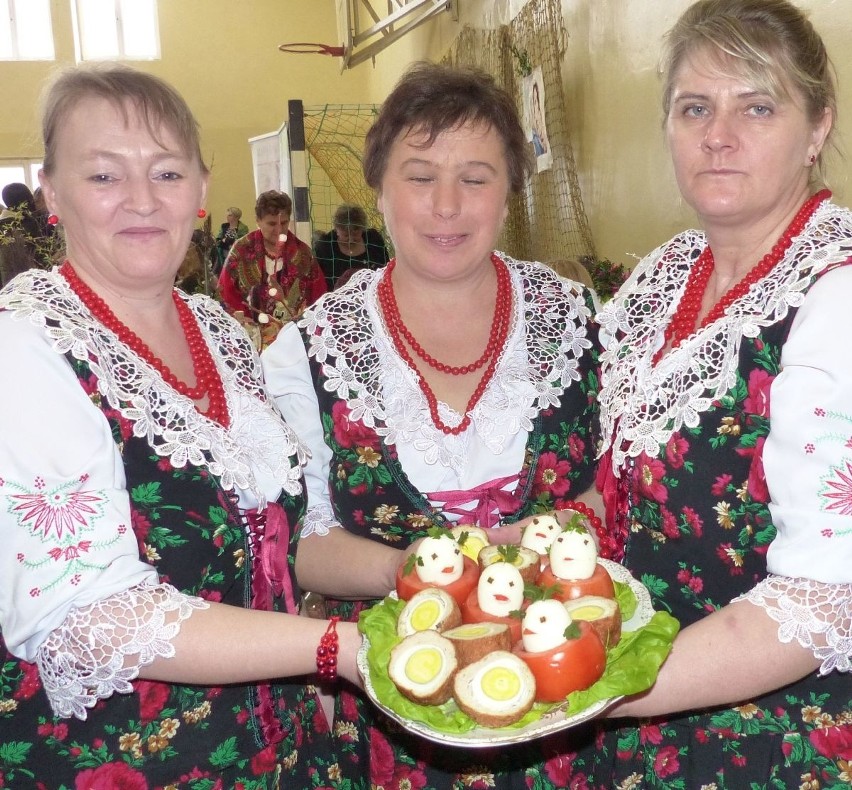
536, 125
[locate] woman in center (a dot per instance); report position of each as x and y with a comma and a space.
456, 385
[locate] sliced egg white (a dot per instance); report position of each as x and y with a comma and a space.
422, 666
497, 689
430, 609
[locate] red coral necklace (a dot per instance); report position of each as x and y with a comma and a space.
400, 335
208, 380
684, 321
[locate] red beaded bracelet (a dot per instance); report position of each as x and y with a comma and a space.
327, 652
606, 546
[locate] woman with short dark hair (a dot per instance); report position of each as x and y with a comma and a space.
454, 385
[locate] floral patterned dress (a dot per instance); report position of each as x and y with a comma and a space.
370, 418
246, 286
189, 539
688, 476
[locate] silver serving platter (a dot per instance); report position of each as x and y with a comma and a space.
554, 720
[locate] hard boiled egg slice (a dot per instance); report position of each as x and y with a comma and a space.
430, 609
422, 667
471, 539
495, 691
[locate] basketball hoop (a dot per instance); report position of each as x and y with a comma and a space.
303, 48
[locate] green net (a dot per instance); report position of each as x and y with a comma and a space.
334, 139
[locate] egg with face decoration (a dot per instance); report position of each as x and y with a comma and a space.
544, 625
573, 554
540, 533
500, 589
440, 560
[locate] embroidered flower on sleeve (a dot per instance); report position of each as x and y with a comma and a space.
57, 512
838, 490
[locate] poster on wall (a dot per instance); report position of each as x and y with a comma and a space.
536, 127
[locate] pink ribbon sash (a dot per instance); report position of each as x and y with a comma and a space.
492, 500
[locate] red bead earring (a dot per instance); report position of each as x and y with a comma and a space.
52, 219
812, 160
201, 213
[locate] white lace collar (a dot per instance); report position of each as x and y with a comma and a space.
257, 449
348, 338
642, 405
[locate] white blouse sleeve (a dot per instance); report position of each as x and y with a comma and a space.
807, 459
288, 378
68, 544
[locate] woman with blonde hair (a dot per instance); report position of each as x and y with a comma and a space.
725, 398
150, 490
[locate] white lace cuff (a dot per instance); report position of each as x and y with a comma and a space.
319, 520
817, 615
99, 649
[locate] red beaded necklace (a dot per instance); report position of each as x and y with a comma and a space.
208, 380
685, 319
398, 332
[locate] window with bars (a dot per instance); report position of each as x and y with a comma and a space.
116, 29
26, 32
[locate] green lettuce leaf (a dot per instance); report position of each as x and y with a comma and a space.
632, 666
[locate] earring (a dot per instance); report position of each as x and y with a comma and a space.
52, 219
812, 160
201, 213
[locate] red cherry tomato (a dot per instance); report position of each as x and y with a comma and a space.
410, 583
472, 613
572, 666
599, 583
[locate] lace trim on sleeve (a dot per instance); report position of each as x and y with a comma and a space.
100, 648
817, 615
319, 520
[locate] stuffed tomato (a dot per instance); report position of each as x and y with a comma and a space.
407, 584
571, 666
599, 583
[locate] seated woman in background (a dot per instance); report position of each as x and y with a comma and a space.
148, 487
232, 228
349, 247
270, 276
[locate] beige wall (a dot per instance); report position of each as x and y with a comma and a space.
612, 91
223, 57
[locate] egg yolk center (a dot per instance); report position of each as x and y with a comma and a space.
424, 665
470, 631
472, 546
587, 613
425, 615
501, 684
